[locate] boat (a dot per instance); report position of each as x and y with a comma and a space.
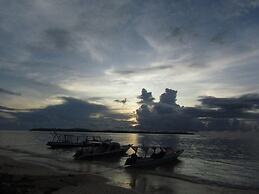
163, 156
69, 141
101, 149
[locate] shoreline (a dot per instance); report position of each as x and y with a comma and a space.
25, 177
114, 131
19, 176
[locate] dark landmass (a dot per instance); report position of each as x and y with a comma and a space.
112, 131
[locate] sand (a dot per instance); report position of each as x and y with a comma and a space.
27, 177
23, 177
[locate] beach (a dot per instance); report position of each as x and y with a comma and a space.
24, 177
27, 177
27, 165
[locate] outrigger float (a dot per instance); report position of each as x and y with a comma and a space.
70, 141
158, 156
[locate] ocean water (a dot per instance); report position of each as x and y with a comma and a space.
217, 158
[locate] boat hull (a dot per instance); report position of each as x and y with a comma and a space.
147, 162
87, 156
56, 145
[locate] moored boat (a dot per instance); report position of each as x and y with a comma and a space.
70, 141
102, 149
164, 156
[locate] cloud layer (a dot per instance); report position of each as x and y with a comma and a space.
234, 113
237, 113
8, 92
105, 50
165, 114
77, 46
71, 113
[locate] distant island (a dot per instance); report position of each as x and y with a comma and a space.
112, 131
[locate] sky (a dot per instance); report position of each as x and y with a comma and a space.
70, 63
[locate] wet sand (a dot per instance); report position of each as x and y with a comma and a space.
22, 177
27, 177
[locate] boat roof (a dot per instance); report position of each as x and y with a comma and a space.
54, 133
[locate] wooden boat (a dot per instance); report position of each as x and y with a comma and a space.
164, 156
70, 141
103, 149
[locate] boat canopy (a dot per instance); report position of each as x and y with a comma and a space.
69, 138
150, 149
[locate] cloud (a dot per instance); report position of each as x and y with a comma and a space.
71, 113
169, 97
4, 91
242, 103
165, 114
60, 38
95, 98
142, 70
245, 107
52, 40
145, 97
219, 38
6, 109
234, 113
121, 101
189, 45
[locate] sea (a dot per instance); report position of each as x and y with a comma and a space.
229, 159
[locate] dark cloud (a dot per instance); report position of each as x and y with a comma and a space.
236, 113
219, 38
165, 114
177, 31
60, 38
206, 113
121, 101
241, 103
70, 48
34, 91
6, 109
4, 91
146, 97
71, 113
142, 70
169, 97
51, 40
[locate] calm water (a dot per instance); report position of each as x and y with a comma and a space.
230, 159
